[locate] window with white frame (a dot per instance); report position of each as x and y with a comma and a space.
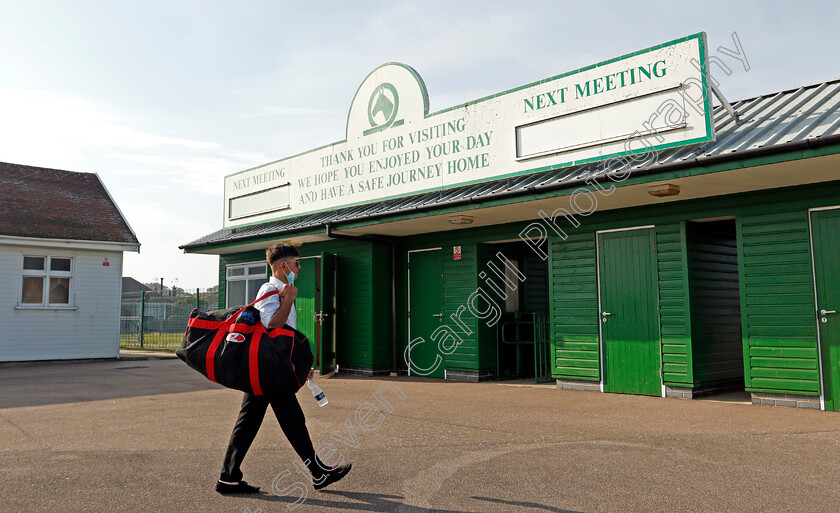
244, 281
47, 281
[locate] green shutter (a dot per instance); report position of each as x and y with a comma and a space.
777, 303
574, 307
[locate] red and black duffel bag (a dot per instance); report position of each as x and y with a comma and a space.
234, 349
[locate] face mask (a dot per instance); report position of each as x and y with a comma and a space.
290, 276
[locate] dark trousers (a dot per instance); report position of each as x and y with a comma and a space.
292, 422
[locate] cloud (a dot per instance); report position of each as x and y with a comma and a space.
201, 172
161, 229
169, 188
278, 110
32, 121
58, 130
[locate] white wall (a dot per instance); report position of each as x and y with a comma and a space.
91, 330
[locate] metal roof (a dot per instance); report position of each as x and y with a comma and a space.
772, 122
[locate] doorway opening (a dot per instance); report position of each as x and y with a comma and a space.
715, 302
522, 339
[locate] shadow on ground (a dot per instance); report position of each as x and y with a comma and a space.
60, 383
382, 503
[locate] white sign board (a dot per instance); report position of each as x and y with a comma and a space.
394, 148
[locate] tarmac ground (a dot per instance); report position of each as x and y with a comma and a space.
148, 435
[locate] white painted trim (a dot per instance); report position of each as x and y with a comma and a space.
46, 274
245, 277
422, 250
600, 309
627, 229
69, 243
817, 300
118, 210
817, 209
41, 307
600, 331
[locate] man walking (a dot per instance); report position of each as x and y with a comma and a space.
275, 312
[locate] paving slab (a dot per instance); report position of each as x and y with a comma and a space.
149, 436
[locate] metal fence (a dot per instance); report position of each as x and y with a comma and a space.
151, 320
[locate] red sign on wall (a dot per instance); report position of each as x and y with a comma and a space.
456, 252
105, 262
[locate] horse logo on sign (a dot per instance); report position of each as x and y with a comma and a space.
383, 106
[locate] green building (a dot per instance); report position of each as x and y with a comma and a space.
608, 229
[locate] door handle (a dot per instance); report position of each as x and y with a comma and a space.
826, 312
605, 314
437, 315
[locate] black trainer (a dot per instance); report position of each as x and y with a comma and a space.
240, 487
331, 476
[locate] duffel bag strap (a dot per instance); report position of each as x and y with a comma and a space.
211, 325
210, 362
253, 354
253, 359
232, 318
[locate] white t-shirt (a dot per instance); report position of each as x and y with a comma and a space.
268, 307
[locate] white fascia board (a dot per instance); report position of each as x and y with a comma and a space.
70, 243
125, 220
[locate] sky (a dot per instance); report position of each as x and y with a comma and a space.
164, 99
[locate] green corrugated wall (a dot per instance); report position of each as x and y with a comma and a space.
777, 294
574, 307
364, 329
776, 289
674, 316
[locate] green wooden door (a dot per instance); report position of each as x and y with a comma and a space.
629, 321
307, 302
826, 237
327, 315
425, 309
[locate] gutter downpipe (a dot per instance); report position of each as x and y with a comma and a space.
392, 241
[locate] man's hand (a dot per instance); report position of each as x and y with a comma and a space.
289, 292
311, 374
287, 297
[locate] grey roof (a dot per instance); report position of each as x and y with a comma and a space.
48, 203
773, 122
129, 284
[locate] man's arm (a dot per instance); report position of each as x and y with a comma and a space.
287, 297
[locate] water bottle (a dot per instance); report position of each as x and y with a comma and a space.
318, 393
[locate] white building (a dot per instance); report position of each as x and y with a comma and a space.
62, 239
